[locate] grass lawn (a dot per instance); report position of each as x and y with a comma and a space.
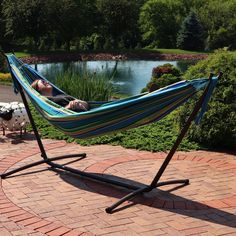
172, 51
31, 53
22, 54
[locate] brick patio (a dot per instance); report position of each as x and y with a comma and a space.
40, 201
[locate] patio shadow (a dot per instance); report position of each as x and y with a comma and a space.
155, 199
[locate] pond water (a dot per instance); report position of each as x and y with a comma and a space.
129, 77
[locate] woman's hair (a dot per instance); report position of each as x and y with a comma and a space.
35, 85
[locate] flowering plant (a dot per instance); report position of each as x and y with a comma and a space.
163, 76
165, 69
5, 76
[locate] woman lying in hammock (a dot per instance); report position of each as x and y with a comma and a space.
45, 89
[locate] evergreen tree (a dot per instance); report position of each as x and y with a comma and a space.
190, 36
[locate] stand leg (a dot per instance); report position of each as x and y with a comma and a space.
127, 197
179, 181
147, 188
4, 175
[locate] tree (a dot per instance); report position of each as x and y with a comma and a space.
120, 20
219, 21
75, 19
2, 28
25, 18
190, 36
160, 22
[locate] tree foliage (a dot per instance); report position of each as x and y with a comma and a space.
119, 20
59, 24
25, 18
160, 22
2, 26
69, 21
219, 21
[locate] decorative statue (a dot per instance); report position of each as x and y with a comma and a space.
13, 117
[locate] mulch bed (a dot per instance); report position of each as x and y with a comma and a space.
110, 56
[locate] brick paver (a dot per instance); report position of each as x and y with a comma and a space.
40, 201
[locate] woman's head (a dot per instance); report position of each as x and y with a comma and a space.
43, 87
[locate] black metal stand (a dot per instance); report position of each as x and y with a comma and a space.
137, 190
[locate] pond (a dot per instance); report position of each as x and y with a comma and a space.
129, 77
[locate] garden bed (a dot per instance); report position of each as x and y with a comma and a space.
34, 59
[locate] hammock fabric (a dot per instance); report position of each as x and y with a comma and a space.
105, 117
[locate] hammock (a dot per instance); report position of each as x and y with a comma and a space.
106, 117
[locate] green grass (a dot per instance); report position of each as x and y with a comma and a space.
22, 54
33, 53
155, 137
172, 51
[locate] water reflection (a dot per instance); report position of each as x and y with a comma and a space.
129, 77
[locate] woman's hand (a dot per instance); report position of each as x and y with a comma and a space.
78, 105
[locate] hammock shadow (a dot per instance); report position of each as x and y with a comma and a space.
151, 199
2, 140
17, 138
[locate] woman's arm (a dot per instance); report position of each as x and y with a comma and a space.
78, 105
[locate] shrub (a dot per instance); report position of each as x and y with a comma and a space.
5, 77
3, 64
163, 76
218, 127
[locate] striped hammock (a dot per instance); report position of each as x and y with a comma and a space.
104, 117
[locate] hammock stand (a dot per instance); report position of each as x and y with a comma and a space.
136, 190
